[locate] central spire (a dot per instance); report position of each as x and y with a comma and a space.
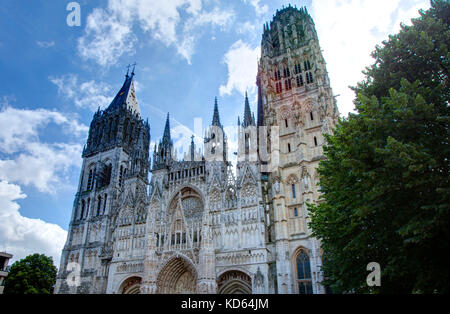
216, 118
248, 119
166, 136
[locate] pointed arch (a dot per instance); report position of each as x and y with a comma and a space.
130, 285
234, 282
301, 263
177, 275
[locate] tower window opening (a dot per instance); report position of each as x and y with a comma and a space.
309, 78
87, 208
277, 75
99, 205
300, 80
295, 212
312, 116
286, 72
104, 205
120, 175
89, 184
288, 84
286, 122
293, 191
307, 65
278, 87
315, 141
289, 147
298, 68
247, 143
82, 209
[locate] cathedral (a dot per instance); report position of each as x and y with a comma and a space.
151, 223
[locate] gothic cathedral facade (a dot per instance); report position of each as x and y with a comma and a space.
198, 225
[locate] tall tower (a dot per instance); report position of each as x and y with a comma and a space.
115, 166
296, 103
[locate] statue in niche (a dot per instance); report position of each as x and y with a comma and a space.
276, 187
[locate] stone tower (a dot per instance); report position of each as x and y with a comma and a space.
114, 173
296, 104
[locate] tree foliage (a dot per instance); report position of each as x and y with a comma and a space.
34, 274
385, 182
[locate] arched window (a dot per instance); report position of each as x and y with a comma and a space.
299, 80
312, 116
89, 183
288, 84
99, 205
278, 87
293, 191
82, 209
104, 206
120, 175
304, 281
87, 208
309, 78
247, 143
277, 75
108, 171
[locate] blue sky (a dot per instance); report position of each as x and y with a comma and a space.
53, 77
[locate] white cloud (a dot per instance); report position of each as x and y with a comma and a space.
107, 37
259, 9
22, 236
25, 159
90, 94
109, 32
349, 30
45, 44
242, 63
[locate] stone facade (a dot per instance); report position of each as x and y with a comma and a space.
199, 226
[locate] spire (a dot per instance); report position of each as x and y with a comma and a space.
247, 113
166, 136
216, 118
126, 95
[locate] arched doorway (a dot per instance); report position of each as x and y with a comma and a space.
177, 277
234, 282
131, 285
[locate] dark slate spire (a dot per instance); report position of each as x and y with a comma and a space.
122, 95
247, 113
166, 137
216, 117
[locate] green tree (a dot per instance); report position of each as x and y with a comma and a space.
385, 182
34, 274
